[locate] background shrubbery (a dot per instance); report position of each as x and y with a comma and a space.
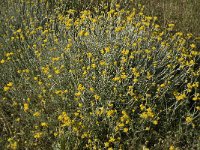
98, 75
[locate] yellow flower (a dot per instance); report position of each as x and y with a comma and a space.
26, 107
116, 79
65, 119
150, 113
38, 135
86, 33
125, 130
2, 61
192, 45
121, 124
102, 63
35, 78
110, 113
89, 55
91, 89
80, 105
77, 94
198, 107
44, 124
10, 84
142, 107
106, 144
155, 122
81, 33
81, 87
13, 145
118, 29
6, 88
144, 115
117, 5
36, 114
179, 96
97, 97
123, 76
196, 97
57, 71
149, 76
171, 147
107, 49
162, 85
147, 128
188, 119
94, 66
18, 119
55, 58
111, 139
145, 148
171, 25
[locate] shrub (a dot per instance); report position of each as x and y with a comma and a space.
109, 79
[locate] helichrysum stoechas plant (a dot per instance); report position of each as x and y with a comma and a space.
110, 79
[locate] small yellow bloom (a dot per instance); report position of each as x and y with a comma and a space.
80, 105
198, 107
144, 115
121, 125
94, 66
118, 29
19, 30
171, 25
107, 49
97, 97
117, 5
26, 107
123, 76
192, 45
44, 124
112, 139
57, 71
86, 33
55, 58
35, 78
2, 61
91, 89
180, 96
162, 85
18, 119
147, 128
10, 84
188, 119
77, 94
13, 145
106, 144
81, 87
36, 114
155, 122
116, 79
171, 147
125, 130
142, 107
6, 88
145, 148
110, 113
65, 119
55, 134
38, 135
89, 55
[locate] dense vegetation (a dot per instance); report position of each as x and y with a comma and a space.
98, 75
